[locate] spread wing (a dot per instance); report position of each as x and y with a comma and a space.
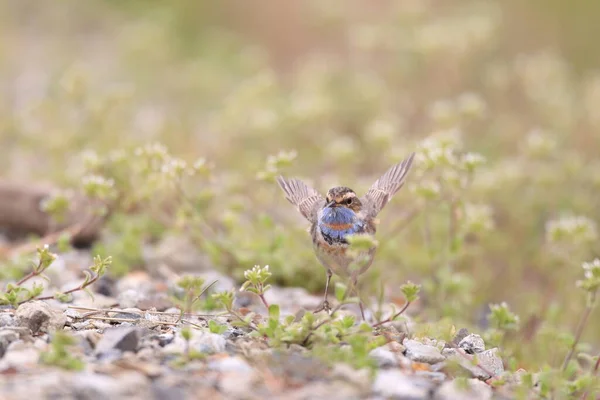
307, 199
385, 187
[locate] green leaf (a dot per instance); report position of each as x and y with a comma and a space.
274, 311
340, 291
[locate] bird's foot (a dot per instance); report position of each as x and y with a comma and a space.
323, 307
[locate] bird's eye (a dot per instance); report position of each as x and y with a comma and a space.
348, 201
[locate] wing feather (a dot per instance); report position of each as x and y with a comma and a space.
306, 199
385, 187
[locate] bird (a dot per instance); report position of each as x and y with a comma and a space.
342, 213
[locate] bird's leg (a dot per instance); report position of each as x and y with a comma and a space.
325, 305
360, 303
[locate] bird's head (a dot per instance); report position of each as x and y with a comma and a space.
341, 196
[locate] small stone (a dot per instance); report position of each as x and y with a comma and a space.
130, 298
233, 333
203, 342
122, 339
40, 317
436, 377
230, 364
359, 378
423, 353
71, 313
20, 354
209, 343
487, 359
475, 390
472, 343
395, 384
390, 356
7, 319
6, 338
131, 313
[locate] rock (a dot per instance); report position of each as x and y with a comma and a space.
40, 317
488, 359
122, 339
7, 319
358, 378
130, 298
6, 338
230, 364
203, 342
127, 313
475, 390
127, 384
209, 343
472, 343
395, 384
423, 353
235, 385
291, 300
390, 356
437, 377
20, 354
460, 335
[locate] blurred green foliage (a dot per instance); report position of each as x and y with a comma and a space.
502, 204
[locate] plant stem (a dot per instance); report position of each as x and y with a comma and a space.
594, 373
264, 301
75, 289
390, 319
582, 323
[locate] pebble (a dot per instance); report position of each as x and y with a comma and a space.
390, 356
422, 353
472, 343
488, 359
40, 317
230, 364
122, 339
395, 384
476, 390
7, 319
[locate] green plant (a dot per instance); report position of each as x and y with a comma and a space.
60, 354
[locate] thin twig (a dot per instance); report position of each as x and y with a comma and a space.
580, 327
594, 373
393, 317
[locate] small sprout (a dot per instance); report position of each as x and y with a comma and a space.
225, 299
186, 333
471, 105
99, 187
591, 281
57, 206
100, 265
202, 167
575, 229
472, 161
60, 354
410, 291
539, 144
215, 327
362, 242
46, 258
427, 190
478, 218
256, 279
340, 291
502, 318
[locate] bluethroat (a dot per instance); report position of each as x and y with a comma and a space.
342, 213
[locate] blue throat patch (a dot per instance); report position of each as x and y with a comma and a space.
339, 216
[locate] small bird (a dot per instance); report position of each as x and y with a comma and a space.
340, 214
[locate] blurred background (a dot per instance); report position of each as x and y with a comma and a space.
501, 100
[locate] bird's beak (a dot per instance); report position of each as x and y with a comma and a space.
330, 204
